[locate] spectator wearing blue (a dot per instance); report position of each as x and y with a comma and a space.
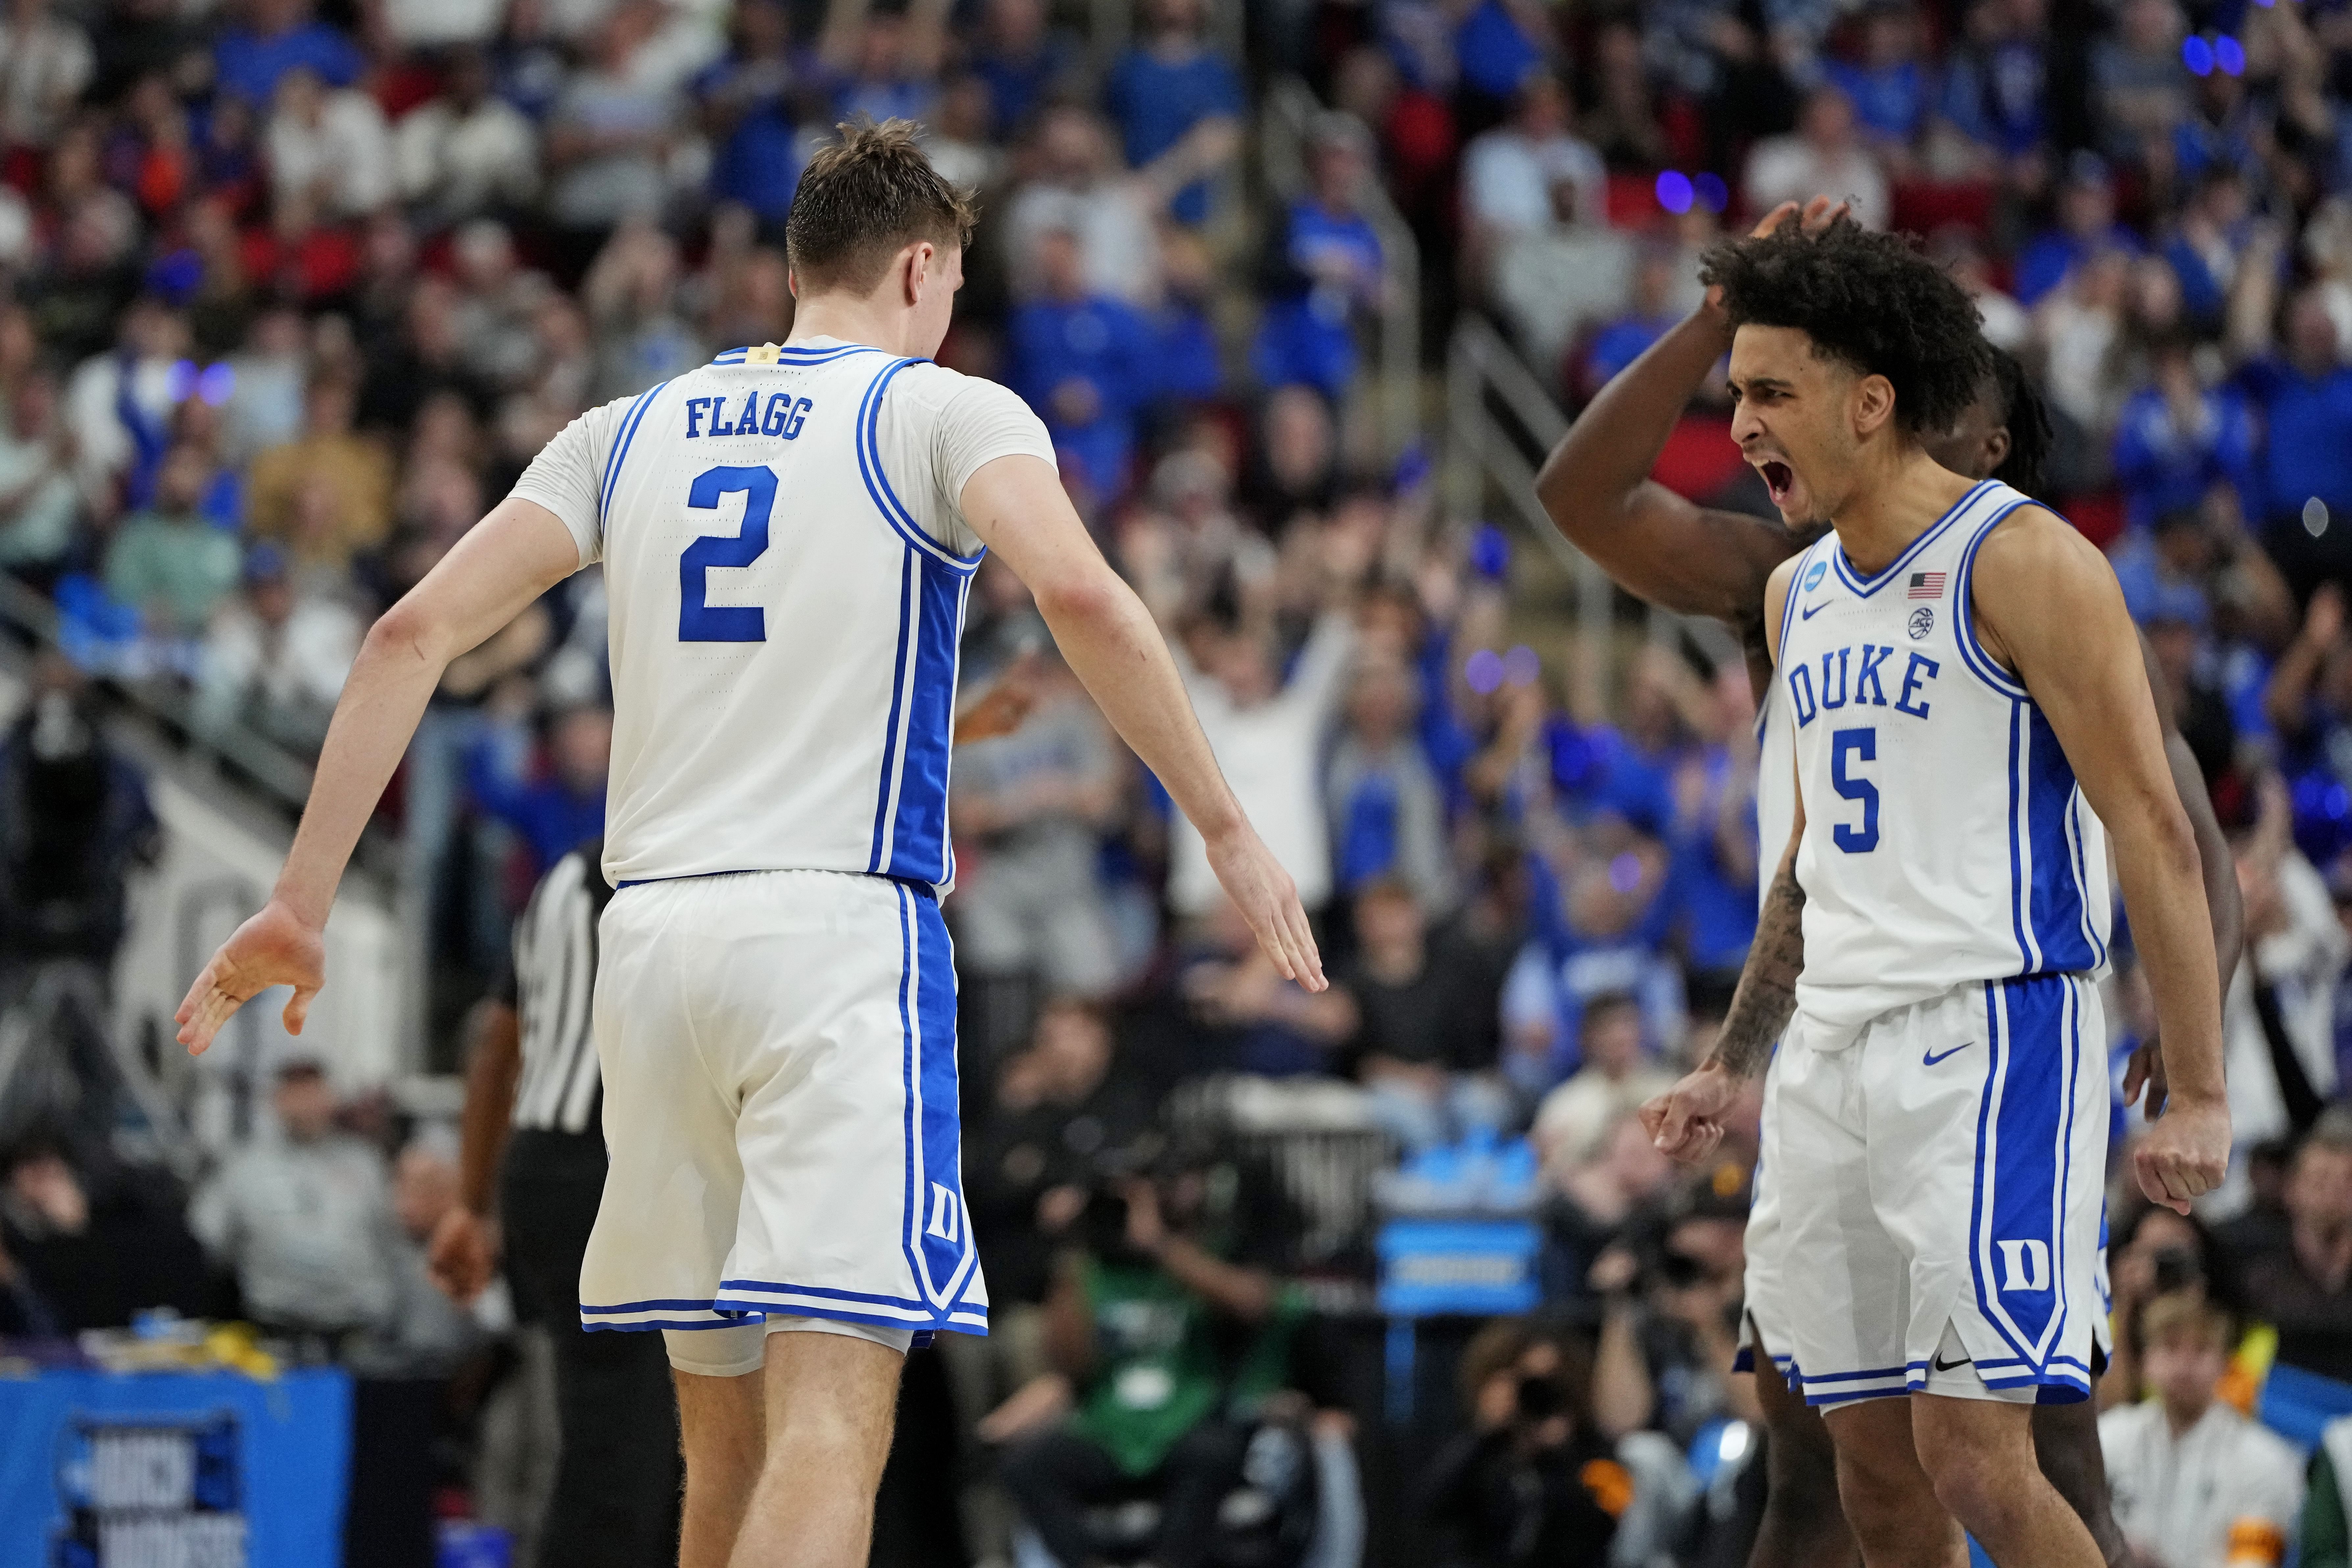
745, 103
2305, 398
1084, 362
1325, 271
1889, 87
1387, 812
282, 34
1653, 314
2086, 227
555, 809
2211, 242
1178, 105
1497, 47
1711, 884
1191, 365
2309, 703
1022, 59
885, 64
1996, 81
2175, 438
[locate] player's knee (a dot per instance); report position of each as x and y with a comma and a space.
1978, 1484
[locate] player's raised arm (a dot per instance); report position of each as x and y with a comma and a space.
1597, 488
2050, 608
508, 559
1016, 505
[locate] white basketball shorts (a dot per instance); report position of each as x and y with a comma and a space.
780, 1104
1939, 1186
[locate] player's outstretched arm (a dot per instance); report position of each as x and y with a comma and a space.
1597, 488
2048, 606
1016, 505
508, 559
1685, 1122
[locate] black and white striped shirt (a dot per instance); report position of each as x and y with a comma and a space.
554, 977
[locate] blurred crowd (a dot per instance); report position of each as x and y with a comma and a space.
293, 292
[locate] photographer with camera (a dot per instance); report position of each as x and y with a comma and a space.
1534, 1479
1165, 1351
2158, 1253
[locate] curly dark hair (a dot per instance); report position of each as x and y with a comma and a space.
2028, 421
1870, 299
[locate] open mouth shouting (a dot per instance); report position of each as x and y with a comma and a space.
1779, 479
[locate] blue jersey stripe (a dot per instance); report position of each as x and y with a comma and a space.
877, 483
906, 609
2061, 920
1864, 587
918, 847
629, 420
2026, 1117
1980, 663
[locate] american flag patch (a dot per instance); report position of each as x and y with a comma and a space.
1925, 586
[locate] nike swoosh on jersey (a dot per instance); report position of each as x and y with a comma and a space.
1940, 1365
1931, 1058
1809, 611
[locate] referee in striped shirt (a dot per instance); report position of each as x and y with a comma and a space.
533, 1094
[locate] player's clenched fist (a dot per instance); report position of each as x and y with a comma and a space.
2186, 1153
1686, 1122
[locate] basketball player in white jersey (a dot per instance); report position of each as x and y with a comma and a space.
1971, 719
788, 534
1697, 561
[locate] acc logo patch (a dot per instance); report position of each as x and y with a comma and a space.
1923, 621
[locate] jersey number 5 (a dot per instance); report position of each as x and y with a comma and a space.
698, 620
1862, 744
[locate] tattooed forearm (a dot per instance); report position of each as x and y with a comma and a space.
1761, 1008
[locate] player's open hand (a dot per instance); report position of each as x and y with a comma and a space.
1686, 1122
1268, 900
2186, 1153
1811, 219
273, 948
464, 1249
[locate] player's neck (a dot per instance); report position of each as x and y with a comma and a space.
1899, 495
852, 320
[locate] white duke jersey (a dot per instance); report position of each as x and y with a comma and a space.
1945, 839
786, 565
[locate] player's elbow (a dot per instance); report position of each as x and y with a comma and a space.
408, 633
1090, 594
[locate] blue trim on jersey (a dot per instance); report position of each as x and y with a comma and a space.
877, 483
874, 860
2024, 1164
670, 1324
1973, 654
1795, 591
2061, 920
1863, 587
937, 1232
630, 420
787, 353
920, 849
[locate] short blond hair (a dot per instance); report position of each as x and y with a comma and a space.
864, 198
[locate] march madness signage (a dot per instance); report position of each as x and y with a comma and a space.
151, 1494
174, 1470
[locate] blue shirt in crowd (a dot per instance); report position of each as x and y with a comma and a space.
2307, 451
249, 65
1995, 96
1156, 102
1017, 84
1104, 343
759, 162
1888, 100
2162, 470
1495, 55
1308, 335
2052, 255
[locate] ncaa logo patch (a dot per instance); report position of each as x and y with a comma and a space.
1923, 621
1813, 576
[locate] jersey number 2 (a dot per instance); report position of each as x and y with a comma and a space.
698, 620
1862, 744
